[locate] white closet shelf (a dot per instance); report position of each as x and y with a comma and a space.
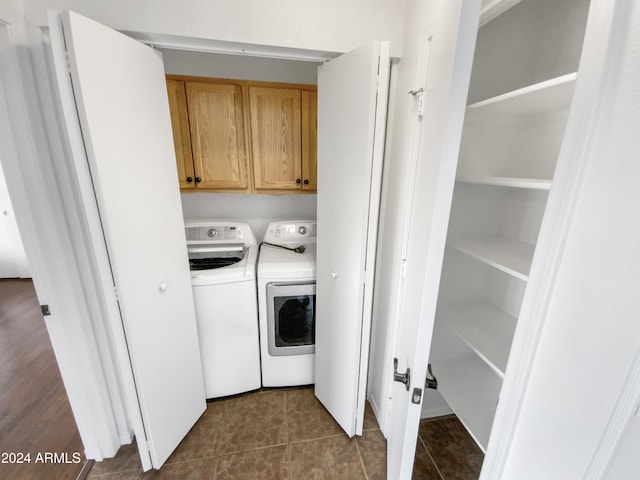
542, 97
505, 254
486, 329
530, 183
471, 389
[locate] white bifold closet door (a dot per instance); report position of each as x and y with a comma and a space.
352, 108
120, 97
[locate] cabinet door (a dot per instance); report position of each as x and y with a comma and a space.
310, 140
180, 127
276, 137
217, 135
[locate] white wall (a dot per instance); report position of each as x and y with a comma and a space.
544, 41
591, 332
330, 25
11, 11
239, 67
258, 210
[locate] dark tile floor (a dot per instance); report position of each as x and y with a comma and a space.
287, 434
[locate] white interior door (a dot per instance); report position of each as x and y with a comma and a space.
122, 107
352, 107
443, 74
13, 260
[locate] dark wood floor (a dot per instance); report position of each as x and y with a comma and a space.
35, 416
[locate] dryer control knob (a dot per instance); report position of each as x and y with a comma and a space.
334, 275
302, 230
162, 287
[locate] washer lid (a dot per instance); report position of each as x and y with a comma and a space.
209, 259
234, 271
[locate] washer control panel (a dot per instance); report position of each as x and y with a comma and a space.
216, 233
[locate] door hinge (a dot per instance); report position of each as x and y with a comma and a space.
418, 95
401, 377
45, 310
403, 268
67, 62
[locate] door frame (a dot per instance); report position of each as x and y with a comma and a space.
36, 196
31, 147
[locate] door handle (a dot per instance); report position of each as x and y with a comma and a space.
431, 381
401, 377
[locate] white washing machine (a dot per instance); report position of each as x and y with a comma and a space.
287, 303
222, 259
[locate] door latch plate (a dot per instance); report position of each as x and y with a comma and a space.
416, 397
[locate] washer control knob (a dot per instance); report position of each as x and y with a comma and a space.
212, 232
334, 275
302, 230
162, 287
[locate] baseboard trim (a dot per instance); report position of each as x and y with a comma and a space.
86, 468
436, 412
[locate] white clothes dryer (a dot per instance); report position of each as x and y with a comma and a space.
222, 259
287, 303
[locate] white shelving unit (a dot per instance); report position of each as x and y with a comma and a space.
513, 139
531, 183
486, 329
507, 255
543, 97
472, 408
509, 148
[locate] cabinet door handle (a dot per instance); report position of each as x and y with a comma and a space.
198, 179
297, 180
306, 182
189, 179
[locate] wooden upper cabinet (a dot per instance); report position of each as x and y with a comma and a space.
276, 115
223, 127
216, 122
310, 140
180, 127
